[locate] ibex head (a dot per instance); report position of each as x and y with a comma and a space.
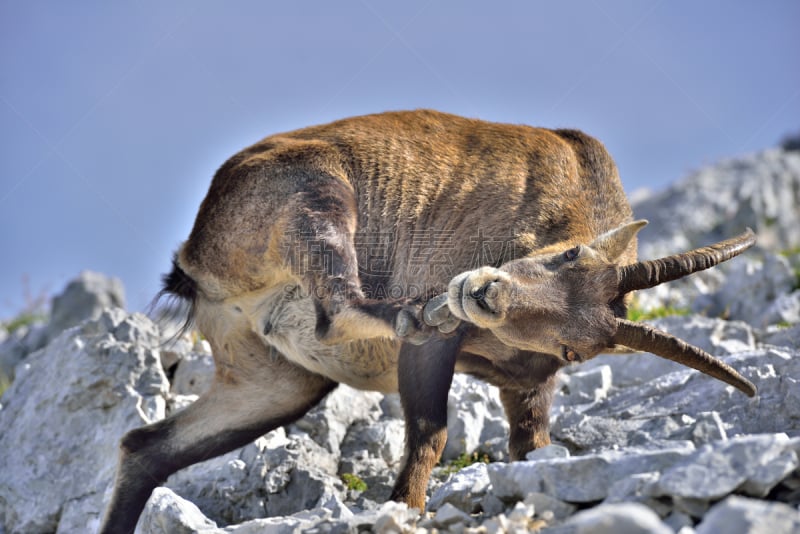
571, 303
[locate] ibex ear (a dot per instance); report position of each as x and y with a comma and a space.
613, 243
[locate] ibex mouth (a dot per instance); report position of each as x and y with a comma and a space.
569, 355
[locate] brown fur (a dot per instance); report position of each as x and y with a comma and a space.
311, 247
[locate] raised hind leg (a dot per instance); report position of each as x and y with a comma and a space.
264, 392
320, 241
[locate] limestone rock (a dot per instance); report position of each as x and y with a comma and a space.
84, 298
579, 479
475, 416
170, 514
740, 515
760, 191
63, 416
623, 518
464, 490
749, 464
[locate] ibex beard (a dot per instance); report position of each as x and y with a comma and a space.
532, 270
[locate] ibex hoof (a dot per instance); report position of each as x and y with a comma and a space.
409, 329
416, 323
437, 313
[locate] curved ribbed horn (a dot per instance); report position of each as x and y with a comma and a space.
646, 338
646, 274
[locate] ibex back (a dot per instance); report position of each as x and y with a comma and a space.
387, 252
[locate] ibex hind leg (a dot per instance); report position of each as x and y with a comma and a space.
320, 239
231, 414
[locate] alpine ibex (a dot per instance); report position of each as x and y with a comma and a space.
389, 251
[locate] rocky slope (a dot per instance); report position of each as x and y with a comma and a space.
640, 444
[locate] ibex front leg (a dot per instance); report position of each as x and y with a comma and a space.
425, 374
528, 415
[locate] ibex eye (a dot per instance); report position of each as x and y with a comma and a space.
572, 254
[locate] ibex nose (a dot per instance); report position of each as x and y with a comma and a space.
480, 295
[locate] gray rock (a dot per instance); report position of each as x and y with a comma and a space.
678, 521
785, 310
750, 291
389, 517
18, 344
373, 452
464, 490
276, 475
783, 336
167, 513
491, 505
740, 515
623, 518
475, 416
84, 298
64, 415
548, 452
545, 505
662, 408
586, 386
282, 525
579, 479
174, 349
448, 515
760, 191
750, 464
328, 422
707, 427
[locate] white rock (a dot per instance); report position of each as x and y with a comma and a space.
761, 191
740, 515
387, 518
448, 515
587, 385
545, 505
475, 416
783, 336
167, 513
328, 422
64, 415
547, 452
752, 464
84, 298
750, 291
464, 490
577, 479
662, 408
624, 518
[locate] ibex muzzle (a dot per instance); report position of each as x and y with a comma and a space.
573, 298
388, 252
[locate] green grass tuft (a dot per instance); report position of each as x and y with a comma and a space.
353, 482
5, 383
638, 314
24, 319
464, 460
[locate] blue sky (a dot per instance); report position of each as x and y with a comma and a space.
115, 115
